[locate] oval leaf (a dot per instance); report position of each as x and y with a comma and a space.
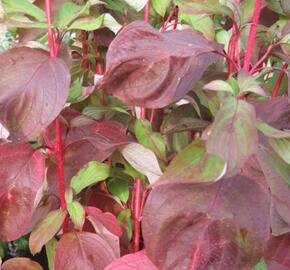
172, 61
46, 229
77, 214
142, 159
92, 173
233, 135
21, 264
22, 175
223, 225
83, 250
30, 103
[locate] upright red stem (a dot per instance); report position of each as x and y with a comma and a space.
279, 81
58, 139
252, 35
147, 11
137, 214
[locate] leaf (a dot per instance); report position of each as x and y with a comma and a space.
160, 6
281, 147
91, 23
21, 264
142, 159
272, 132
138, 5
46, 230
261, 265
86, 250
22, 175
120, 189
21, 21
233, 135
248, 84
134, 261
173, 62
193, 164
24, 6
50, 248
30, 103
69, 12
92, 173
219, 85
206, 226
151, 140
277, 174
77, 214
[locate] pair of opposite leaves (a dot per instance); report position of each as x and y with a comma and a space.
144, 68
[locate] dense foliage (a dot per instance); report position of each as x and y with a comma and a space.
145, 135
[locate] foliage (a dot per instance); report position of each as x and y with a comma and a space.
155, 143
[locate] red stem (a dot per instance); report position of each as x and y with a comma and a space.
252, 35
279, 81
137, 214
58, 133
147, 11
84, 37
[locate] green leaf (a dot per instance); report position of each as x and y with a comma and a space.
151, 140
90, 174
248, 84
23, 6
21, 21
233, 135
160, 6
69, 195
91, 23
99, 112
138, 5
75, 91
193, 164
201, 23
77, 214
124, 219
142, 160
50, 248
261, 265
69, 12
282, 148
272, 132
120, 189
219, 85
46, 229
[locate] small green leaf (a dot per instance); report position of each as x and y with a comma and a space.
124, 219
21, 21
77, 214
151, 140
69, 12
75, 91
50, 248
90, 174
120, 189
219, 85
272, 132
46, 229
138, 5
91, 23
193, 164
248, 84
282, 148
24, 6
69, 195
233, 135
160, 6
261, 265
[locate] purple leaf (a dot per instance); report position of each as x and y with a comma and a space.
224, 225
33, 91
83, 250
152, 69
22, 175
134, 261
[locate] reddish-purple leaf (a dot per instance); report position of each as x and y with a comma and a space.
21, 264
33, 91
152, 69
83, 250
22, 175
224, 225
133, 261
107, 219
